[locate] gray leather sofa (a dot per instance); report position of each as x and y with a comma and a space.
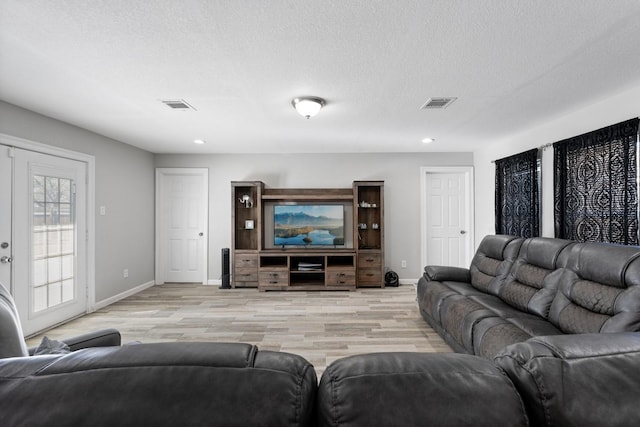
589, 380
516, 289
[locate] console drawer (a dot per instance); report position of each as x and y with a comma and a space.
369, 276
245, 261
273, 278
373, 260
246, 275
339, 277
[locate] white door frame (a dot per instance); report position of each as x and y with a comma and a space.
90, 160
468, 176
160, 279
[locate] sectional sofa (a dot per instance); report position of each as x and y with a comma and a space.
567, 365
516, 289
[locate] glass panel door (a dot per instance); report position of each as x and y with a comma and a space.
53, 241
50, 246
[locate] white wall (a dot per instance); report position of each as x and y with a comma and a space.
615, 109
401, 173
124, 185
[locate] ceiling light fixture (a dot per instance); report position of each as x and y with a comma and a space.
199, 141
308, 106
427, 140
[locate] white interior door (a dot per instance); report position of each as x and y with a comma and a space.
50, 239
182, 200
447, 217
6, 244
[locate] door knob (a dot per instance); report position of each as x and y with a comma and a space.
201, 234
6, 259
463, 232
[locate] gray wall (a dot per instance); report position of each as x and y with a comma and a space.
124, 184
400, 171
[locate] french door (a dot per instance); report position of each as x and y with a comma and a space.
47, 206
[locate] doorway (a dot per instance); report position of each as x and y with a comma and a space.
44, 238
182, 201
447, 216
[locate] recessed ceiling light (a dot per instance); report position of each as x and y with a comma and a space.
427, 140
199, 141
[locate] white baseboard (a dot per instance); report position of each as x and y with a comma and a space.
214, 282
123, 295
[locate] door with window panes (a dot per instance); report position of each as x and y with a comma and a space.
49, 239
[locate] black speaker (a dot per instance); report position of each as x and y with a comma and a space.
226, 269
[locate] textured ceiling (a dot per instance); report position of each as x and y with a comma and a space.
512, 64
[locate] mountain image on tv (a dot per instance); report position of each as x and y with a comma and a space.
308, 225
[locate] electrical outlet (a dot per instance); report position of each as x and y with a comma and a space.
125, 272
404, 263
103, 210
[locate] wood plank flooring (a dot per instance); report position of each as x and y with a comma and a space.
320, 326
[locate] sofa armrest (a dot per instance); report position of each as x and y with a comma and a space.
581, 379
103, 338
445, 273
417, 389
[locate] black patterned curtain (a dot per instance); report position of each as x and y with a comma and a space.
596, 189
518, 195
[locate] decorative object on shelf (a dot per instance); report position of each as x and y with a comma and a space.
248, 224
308, 106
246, 200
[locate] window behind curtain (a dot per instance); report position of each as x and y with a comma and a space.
518, 195
596, 189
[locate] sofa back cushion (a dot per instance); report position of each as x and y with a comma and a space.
11, 339
533, 279
599, 291
493, 260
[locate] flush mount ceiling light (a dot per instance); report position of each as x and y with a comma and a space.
199, 141
308, 106
427, 140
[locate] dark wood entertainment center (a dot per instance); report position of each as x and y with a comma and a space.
356, 262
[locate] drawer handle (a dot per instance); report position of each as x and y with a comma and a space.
370, 259
341, 274
370, 274
274, 282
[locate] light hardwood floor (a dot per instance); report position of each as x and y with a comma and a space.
320, 326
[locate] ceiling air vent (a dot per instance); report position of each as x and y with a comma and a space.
177, 104
437, 103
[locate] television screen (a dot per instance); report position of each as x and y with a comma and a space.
308, 225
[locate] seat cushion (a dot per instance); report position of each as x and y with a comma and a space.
414, 389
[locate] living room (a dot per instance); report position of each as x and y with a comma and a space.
582, 97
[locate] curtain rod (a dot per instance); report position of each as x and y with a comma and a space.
542, 147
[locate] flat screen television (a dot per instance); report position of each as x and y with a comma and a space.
308, 225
